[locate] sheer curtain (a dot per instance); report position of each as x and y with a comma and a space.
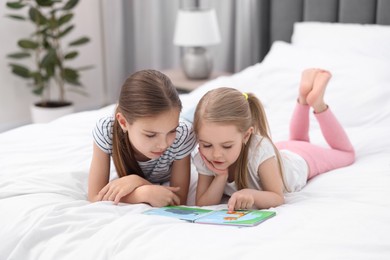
138, 34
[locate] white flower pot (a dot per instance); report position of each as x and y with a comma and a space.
47, 114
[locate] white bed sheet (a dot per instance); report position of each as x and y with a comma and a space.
343, 214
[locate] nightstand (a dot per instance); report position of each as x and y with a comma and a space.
185, 85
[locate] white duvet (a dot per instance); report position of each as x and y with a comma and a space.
343, 214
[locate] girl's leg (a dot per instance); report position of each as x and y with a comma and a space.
331, 129
333, 132
341, 154
299, 123
321, 159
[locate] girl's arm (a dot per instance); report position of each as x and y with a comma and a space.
209, 190
272, 189
99, 187
272, 184
128, 189
99, 173
159, 196
180, 177
154, 194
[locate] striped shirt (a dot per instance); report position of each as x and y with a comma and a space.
157, 170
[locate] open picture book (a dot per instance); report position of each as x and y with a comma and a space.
218, 217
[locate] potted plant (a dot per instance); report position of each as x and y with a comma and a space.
45, 54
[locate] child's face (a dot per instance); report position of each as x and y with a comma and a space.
220, 144
151, 136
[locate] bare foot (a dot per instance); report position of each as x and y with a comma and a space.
307, 82
315, 98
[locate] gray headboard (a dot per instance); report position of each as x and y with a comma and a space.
279, 16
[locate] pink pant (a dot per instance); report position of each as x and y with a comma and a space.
319, 159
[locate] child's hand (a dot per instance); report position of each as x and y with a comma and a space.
211, 166
115, 190
160, 196
242, 199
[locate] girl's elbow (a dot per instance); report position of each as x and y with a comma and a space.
93, 198
279, 200
183, 200
200, 203
275, 201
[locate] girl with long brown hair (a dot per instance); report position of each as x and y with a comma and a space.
148, 142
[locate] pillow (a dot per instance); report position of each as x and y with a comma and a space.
363, 39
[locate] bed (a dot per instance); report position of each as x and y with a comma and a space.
343, 214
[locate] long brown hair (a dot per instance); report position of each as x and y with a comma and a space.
232, 107
145, 93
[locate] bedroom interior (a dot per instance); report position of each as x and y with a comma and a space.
343, 214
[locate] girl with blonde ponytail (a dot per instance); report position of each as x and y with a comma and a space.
238, 158
148, 142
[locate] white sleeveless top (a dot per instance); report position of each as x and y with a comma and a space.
295, 169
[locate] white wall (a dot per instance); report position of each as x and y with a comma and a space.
16, 97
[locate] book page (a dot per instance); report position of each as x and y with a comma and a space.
183, 213
239, 217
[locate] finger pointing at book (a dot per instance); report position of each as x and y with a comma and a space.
242, 199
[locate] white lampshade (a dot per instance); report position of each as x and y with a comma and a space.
196, 28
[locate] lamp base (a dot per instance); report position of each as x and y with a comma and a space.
197, 63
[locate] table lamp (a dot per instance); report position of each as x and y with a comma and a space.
195, 29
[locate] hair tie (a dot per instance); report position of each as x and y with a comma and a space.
245, 95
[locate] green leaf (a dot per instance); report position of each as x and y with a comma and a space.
18, 55
70, 4
65, 32
16, 17
70, 73
74, 82
71, 76
46, 44
28, 44
15, 5
64, 19
45, 2
52, 22
36, 16
49, 59
85, 68
20, 70
40, 32
39, 79
39, 90
71, 55
36, 75
50, 70
79, 41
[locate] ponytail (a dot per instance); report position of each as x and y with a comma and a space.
260, 123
